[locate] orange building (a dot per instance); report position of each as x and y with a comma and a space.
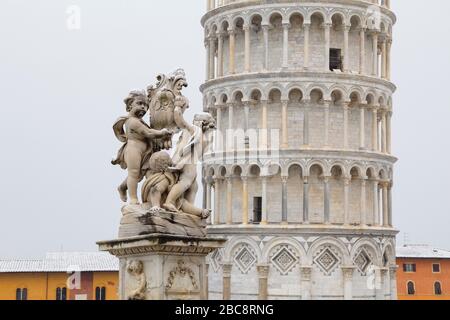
61, 276
424, 273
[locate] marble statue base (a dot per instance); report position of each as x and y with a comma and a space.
162, 267
140, 220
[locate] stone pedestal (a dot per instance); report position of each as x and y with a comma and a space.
162, 267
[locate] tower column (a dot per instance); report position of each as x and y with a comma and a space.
346, 66
306, 272
306, 126
393, 282
219, 131
284, 197
305, 200
263, 275
347, 181
245, 218
229, 180
375, 54
388, 59
220, 54
227, 268
232, 53
327, 28
346, 110
375, 129
348, 282
326, 187
265, 216
383, 59
284, 125
327, 123
383, 131
385, 204
212, 53
389, 132
363, 202
362, 128
306, 28
390, 217
285, 45
266, 47
247, 48
362, 53
376, 202
264, 125
209, 193
217, 197
208, 63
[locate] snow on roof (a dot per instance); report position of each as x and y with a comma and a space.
63, 262
422, 251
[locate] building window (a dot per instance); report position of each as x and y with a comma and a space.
100, 293
409, 267
22, 294
257, 210
436, 268
411, 288
335, 59
61, 294
437, 288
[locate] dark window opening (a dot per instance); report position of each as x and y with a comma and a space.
100, 293
257, 210
436, 268
409, 267
335, 59
411, 288
61, 294
438, 289
21, 294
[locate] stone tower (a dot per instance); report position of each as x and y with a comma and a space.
301, 173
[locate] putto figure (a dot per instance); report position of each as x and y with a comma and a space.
170, 187
137, 137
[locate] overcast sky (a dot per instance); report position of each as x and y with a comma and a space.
62, 90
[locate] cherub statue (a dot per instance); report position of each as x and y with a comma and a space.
193, 142
136, 269
159, 179
137, 137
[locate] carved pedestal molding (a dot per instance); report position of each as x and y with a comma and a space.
306, 273
226, 269
162, 267
348, 282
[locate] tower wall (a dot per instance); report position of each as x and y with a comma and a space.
301, 173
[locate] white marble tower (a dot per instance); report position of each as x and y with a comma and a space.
301, 174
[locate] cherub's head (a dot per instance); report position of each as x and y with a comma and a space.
135, 267
160, 161
204, 121
137, 104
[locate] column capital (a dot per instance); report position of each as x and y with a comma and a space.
284, 179
244, 178
347, 27
227, 267
326, 25
306, 272
231, 31
348, 272
347, 181
286, 24
246, 27
305, 179
263, 271
307, 25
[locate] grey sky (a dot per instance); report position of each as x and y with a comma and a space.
61, 91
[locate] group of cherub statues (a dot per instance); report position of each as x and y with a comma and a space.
170, 180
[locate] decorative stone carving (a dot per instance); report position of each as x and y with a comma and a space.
327, 260
170, 187
284, 259
245, 259
136, 269
181, 271
363, 261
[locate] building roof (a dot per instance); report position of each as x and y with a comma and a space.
63, 262
422, 251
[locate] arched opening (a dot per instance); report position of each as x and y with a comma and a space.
295, 116
337, 185
275, 41
317, 41
355, 196
296, 41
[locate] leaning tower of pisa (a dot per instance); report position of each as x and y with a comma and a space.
301, 173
